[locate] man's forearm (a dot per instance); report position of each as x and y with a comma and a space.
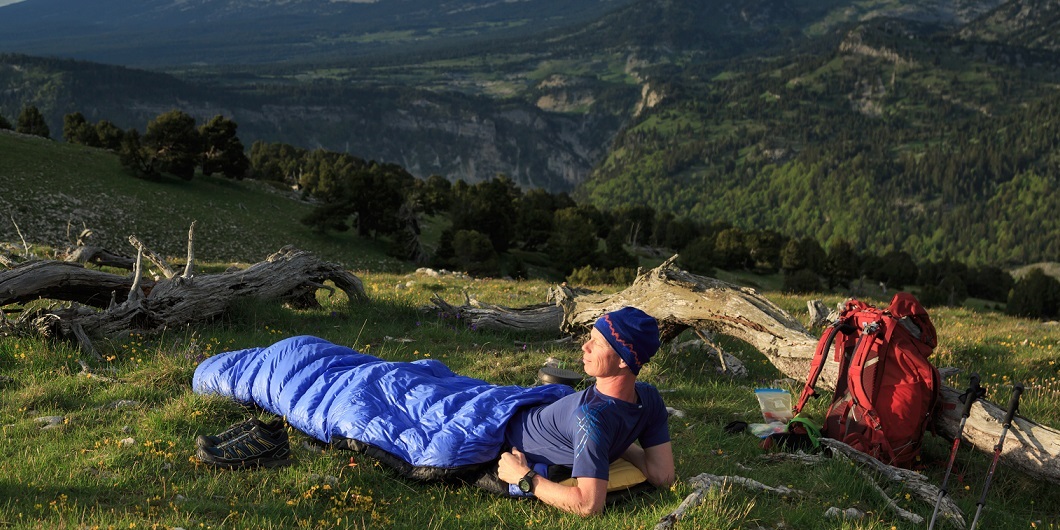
587, 498
657, 462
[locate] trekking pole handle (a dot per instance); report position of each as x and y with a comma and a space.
973, 393
1013, 404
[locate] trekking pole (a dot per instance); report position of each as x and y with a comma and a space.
970, 396
1013, 404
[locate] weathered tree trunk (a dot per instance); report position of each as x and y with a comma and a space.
680, 300
546, 317
289, 276
60, 280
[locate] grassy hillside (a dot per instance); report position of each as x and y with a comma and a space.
53, 190
120, 455
728, 140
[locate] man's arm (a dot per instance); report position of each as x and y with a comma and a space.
656, 462
587, 498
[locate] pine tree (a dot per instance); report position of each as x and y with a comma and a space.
175, 143
221, 149
76, 130
31, 121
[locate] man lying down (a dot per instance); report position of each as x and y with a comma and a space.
428, 422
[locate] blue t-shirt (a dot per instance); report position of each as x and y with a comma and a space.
588, 430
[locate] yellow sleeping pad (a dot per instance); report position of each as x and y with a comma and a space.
623, 475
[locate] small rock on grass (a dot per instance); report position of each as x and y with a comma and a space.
53, 422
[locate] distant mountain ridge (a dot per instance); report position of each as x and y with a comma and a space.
151, 33
268, 31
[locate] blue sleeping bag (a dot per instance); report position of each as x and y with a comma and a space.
419, 412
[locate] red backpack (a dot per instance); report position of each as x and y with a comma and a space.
886, 390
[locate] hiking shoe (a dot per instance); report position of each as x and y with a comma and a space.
254, 448
237, 429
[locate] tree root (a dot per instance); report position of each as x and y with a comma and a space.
704, 482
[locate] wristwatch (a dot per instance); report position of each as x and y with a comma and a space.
526, 484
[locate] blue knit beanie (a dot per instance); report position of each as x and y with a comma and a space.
633, 333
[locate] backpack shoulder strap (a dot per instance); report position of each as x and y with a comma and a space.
816, 365
866, 374
820, 355
843, 324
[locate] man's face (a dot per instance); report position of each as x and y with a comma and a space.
599, 358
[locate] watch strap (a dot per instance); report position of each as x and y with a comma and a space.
528, 479
539, 469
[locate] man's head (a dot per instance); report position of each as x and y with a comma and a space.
632, 333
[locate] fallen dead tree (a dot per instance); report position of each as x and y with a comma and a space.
289, 276
681, 300
60, 280
705, 482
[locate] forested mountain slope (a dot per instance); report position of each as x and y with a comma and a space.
888, 134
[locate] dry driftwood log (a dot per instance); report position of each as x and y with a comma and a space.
681, 300
60, 280
908, 479
289, 276
8, 260
151, 256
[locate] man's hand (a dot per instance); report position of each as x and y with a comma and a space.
512, 466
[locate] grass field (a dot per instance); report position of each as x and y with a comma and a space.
121, 456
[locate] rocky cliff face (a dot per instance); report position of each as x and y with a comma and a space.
472, 141
944, 12
1031, 23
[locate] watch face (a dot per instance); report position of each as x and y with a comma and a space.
525, 485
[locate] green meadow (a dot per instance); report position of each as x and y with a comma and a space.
122, 454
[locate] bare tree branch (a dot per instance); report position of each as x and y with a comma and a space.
189, 267
704, 482
152, 257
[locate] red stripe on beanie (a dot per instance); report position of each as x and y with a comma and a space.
617, 337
